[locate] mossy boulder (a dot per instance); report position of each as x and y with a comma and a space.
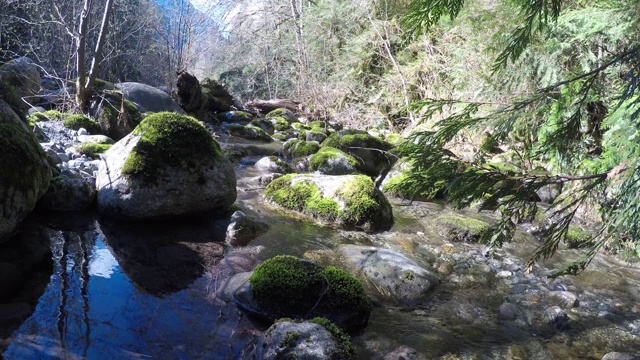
263, 124
395, 183
92, 149
295, 148
24, 171
168, 166
348, 202
315, 135
24, 76
279, 123
300, 126
371, 152
116, 115
315, 339
457, 228
248, 132
331, 161
284, 113
285, 286
577, 237
75, 122
240, 117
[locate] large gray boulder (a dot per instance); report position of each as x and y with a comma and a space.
347, 202
396, 277
168, 166
25, 76
24, 171
148, 98
70, 191
304, 340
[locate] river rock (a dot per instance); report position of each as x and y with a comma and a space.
303, 340
371, 152
620, 356
25, 76
116, 115
556, 317
69, 191
264, 124
348, 202
240, 117
248, 132
295, 148
273, 164
148, 98
242, 229
565, 299
169, 166
394, 276
24, 171
97, 139
404, 353
331, 161
285, 113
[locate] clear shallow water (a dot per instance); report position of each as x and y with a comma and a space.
148, 291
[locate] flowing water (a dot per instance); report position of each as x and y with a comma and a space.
148, 291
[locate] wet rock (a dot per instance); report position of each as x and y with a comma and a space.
564, 299
394, 276
242, 229
556, 317
457, 228
148, 98
348, 202
248, 132
404, 353
24, 171
267, 179
239, 117
331, 161
620, 356
164, 176
69, 191
303, 340
273, 164
264, 124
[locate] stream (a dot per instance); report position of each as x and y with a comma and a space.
148, 291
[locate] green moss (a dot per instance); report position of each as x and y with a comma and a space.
21, 163
361, 200
49, 115
110, 112
76, 122
288, 286
281, 112
346, 139
289, 340
578, 238
263, 124
298, 148
462, 229
9, 85
322, 157
248, 132
279, 123
92, 149
169, 139
346, 350
394, 139
319, 126
300, 126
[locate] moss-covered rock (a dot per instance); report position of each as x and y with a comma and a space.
578, 237
263, 124
331, 161
248, 132
75, 122
298, 339
279, 123
49, 115
92, 149
349, 202
457, 228
284, 113
300, 126
395, 184
168, 166
24, 171
316, 135
285, 286
117, 116
10, 95
371, 152
295, 148
24, 76
240, 117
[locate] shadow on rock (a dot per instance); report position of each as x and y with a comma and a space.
25, 271
164, 257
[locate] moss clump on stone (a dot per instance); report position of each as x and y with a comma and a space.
22, 160
279, 123
9, 93
326, 154
169, 139
361, 200
49, 115
578, 238
457, 228
263, 124
75, 122
300, 126
346, 139
283, 113
248, 132
303, 196
292, 287
92, 149
117, 110
296, 148
346, 350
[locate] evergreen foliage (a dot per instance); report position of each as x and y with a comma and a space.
570, 79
